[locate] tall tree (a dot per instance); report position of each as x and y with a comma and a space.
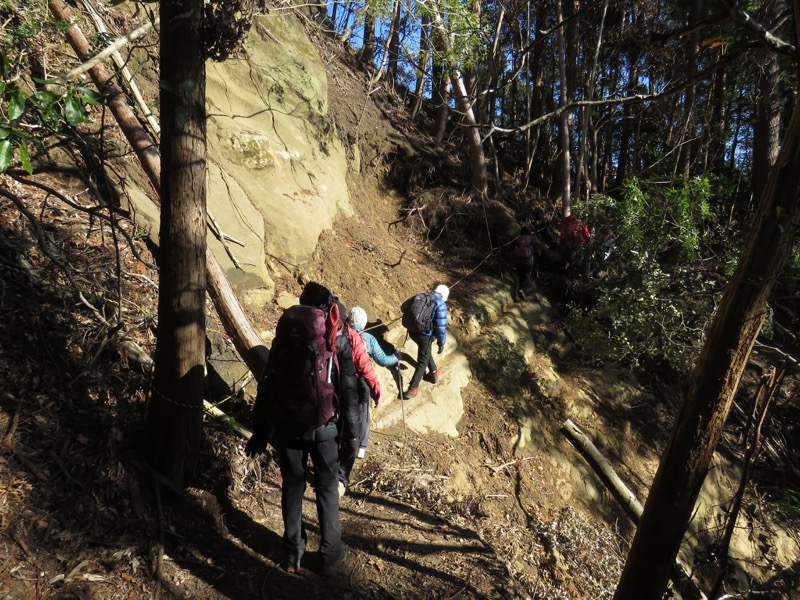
368, 47
174, 419
583, 179
393, 44
686, 155
478, 169
766, 130
424, 59
563, 119
715, 379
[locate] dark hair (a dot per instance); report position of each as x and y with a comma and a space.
524, 231
342, 308
317, 295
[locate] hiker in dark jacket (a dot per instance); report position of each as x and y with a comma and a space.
350, 345
358, 320
320, 443
424, 341
523, 261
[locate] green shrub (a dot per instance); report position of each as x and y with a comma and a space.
658, 288
28, 114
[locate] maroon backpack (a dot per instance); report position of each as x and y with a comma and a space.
299, 385
523, 250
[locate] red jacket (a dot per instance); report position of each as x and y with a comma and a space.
573, 230
363, 364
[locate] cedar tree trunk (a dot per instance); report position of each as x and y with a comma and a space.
174, 420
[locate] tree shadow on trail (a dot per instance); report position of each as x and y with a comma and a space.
441, 555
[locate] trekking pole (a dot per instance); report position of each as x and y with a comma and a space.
400, 384
402, 400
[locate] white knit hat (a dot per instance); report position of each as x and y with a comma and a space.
358, 317
443, 291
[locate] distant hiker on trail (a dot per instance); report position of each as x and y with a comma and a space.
358, 319
573, 235
349, 343
523, 261
609, 242
306, 386
425, 317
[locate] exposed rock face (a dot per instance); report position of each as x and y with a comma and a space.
276, 169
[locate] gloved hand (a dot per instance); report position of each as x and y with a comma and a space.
398, 353
377, 401
255, 445
441, 349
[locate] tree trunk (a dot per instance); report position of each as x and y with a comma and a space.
534, 99
563, 119
441, 99
468, 73
174, 420
686, 155
495, 65
718, 124
477, 159
393, 45
766, 131
234, 320
368, 47
424, 59
714, 380
582, 170
627, 129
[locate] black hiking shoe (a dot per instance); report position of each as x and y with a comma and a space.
410, 393
333, 567
434, 376
292, 565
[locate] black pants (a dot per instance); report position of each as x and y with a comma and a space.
293, 455
424, 358
349, 441
363, 400
348, 449
524, 271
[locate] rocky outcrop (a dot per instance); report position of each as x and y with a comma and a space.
276, 168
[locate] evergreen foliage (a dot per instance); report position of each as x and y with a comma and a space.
658, 288
31, 111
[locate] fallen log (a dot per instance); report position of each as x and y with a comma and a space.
234, 320
604, 469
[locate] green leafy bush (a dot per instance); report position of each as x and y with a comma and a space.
658, 288
28, 117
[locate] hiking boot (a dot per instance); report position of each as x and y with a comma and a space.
361, 452
410, 393
292, 565
433, 376
522, 295
333, 567
342, 489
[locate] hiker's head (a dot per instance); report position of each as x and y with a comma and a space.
358, 317
443, 291
316, 295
